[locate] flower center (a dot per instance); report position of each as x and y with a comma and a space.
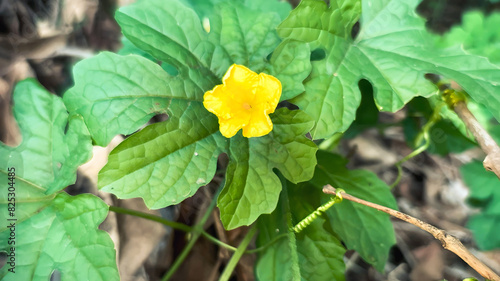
247, 106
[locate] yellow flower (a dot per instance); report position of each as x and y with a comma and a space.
244, 100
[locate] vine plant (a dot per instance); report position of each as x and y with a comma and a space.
178, 51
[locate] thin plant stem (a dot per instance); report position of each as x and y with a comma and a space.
226, 274
424, 134
261, 248
172, 224
408, 157
182, 257
187, 229
218, 242
196, 232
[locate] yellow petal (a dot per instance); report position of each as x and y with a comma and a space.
269, 92
244, 100
217, 100
238, 75
259, 125
229, 127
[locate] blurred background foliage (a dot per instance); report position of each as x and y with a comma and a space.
45, 38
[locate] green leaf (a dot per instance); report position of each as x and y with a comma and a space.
165, 162
241, 31
291, 65
485, 227
117, 95
393, 50
242, 36
52, 231
314, 254
485, 194
206, 8
171, 32
282, 8
63, 237
369, 233
251, 187
478, 34
130, 49
47, 158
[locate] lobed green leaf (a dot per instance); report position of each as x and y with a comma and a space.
63, 237
291, 65
252, 188
165, 162
118, 94
393, 50
282, 8
52, 148
207, 8
171, 32
243, 36
53, 231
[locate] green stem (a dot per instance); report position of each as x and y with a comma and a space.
196, 232
398, 178
172, 224
218, 242
424, 134
188, 229
432, 121
182, 257
261, 248
237, 255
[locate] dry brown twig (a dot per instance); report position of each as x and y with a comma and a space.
456, 100
483, 138
449, 242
